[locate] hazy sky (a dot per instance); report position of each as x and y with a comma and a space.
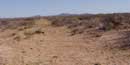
17, 8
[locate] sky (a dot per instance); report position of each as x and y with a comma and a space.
25, 8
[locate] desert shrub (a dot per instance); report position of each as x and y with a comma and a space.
42, 22
97, 64
106, 24
63, 20
17, 38
123, 43
32, 31
4, 24
22, 28
102, 21
120, 42
27, 33
16, 23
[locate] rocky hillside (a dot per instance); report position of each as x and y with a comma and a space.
101, 39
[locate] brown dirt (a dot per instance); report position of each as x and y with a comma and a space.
57, 47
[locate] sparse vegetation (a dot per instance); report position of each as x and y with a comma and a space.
32, 31
42, 23
97, 64
74, 39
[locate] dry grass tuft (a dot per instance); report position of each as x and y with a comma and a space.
42, 23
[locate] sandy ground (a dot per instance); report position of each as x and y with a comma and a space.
57, 47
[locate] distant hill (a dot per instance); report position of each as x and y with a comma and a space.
69, 14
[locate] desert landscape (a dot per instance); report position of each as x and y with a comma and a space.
86, 39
